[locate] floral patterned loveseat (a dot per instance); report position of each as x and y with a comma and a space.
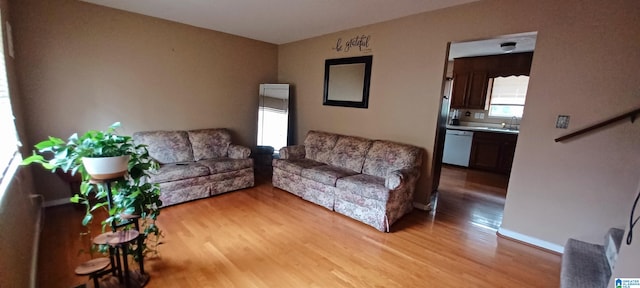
372, 181
197, 163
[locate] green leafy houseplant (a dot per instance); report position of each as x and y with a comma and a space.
131, 194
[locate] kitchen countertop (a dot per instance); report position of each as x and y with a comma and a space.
482, 129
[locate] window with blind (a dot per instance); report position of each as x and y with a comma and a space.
9, 142
507, 96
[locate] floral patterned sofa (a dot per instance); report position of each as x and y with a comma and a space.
197, 164
372, 181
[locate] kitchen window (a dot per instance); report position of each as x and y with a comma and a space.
507, 96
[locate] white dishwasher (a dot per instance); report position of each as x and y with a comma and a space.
457, 147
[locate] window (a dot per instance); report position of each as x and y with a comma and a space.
507, 96
9, 142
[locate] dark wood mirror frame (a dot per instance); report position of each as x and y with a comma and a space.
346, 101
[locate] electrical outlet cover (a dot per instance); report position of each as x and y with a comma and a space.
562, 122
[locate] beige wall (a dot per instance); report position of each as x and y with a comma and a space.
18, 217
18, 212
584, 66
582, 187
84, 66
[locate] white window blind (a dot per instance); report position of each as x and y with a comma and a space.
9, 142
508, 95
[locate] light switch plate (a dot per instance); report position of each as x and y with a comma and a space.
562, 122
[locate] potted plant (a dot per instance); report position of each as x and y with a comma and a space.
101, 155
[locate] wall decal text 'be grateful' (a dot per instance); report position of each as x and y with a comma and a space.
360, 41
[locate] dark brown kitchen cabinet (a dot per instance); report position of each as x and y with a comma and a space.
469, 90
471, 77
478, 91
493, 151
510, 64
459, 90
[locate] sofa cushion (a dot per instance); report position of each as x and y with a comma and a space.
385, 156
295, 166
209, 143
350, 152
173, 172
222, 165
367, 186
166, 146
326, 174
318, 145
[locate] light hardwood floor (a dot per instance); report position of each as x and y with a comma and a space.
266, 237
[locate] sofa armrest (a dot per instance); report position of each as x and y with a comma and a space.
238, 152
292, 152
398, 178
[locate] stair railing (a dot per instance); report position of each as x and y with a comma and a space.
631, 115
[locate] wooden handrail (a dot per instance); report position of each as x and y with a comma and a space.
631, 115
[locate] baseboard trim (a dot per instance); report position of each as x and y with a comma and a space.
56, 202
36, 240
512, 235
420, 206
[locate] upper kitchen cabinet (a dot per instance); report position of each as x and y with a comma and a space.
510, 64
469, 90
471, 77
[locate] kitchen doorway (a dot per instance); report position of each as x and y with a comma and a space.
484, 87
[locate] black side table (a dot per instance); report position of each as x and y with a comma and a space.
262, 158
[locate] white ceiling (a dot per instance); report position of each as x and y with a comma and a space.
525, 42
278, 21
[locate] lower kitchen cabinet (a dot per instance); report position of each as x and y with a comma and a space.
493, 151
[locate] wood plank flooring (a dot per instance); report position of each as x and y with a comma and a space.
266, 237
472, 197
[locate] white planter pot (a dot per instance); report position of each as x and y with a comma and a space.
103, 168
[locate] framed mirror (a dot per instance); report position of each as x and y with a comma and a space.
346, 81
273, 116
